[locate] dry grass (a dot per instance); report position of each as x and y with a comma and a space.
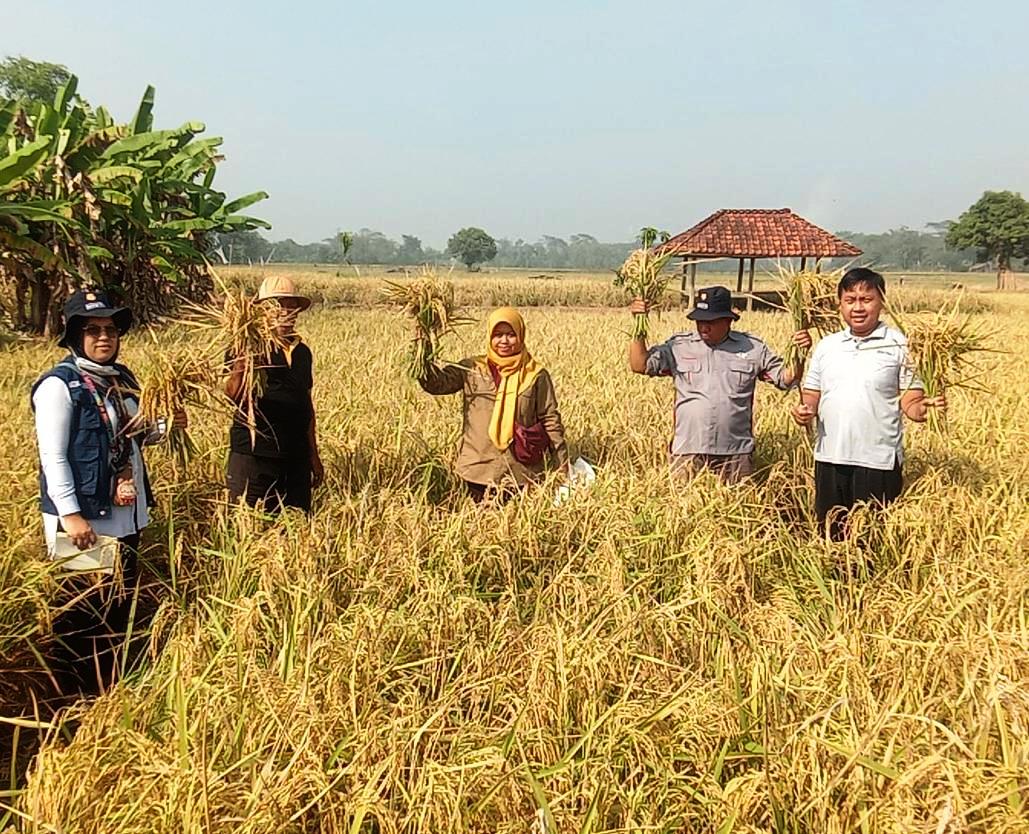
644, 657
528, 288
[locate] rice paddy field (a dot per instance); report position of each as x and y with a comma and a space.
648, 656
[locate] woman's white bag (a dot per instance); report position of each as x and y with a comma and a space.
580, 476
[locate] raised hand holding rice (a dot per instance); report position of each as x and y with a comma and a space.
243, 334
810, 299
940, 348
429, 301
641, 275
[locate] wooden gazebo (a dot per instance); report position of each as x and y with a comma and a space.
749, 234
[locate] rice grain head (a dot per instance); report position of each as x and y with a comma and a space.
642, 277
429, 301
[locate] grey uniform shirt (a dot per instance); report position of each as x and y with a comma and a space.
714, 389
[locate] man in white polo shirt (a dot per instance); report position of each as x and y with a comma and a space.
858, 384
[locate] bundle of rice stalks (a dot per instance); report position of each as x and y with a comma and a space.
173, 383
242, 330
429, 301
641, 276
940, 348
810, 299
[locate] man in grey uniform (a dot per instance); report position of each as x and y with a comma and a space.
715, 372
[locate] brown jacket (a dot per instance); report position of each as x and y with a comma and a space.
478, 460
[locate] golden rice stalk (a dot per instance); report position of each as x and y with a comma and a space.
172, 383
811, 300
940, 348
243, 329
641, 275
429, 301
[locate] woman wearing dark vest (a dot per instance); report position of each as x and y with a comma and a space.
92, 480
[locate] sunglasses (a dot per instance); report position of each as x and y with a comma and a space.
95, 331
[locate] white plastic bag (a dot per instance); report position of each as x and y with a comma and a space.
580, 476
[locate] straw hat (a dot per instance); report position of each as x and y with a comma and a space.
279, 286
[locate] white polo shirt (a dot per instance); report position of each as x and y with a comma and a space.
861, 381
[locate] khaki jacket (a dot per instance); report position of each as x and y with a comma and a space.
478, 460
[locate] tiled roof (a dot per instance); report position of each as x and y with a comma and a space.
759, 233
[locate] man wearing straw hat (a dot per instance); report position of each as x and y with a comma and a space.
858, 384
715, 371
278, 464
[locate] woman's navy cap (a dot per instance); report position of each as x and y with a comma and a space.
93, 304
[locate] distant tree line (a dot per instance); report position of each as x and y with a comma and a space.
371, 247
905, 248
897, 249
363, 247
992, 232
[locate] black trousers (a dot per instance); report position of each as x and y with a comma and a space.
273, 483
838, 487
485, 493
92, 622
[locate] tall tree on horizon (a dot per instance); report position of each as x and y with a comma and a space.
997, 227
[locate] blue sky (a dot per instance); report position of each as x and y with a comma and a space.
556, 117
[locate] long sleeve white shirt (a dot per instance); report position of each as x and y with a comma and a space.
53, 408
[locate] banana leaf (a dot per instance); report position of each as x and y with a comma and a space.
23, 160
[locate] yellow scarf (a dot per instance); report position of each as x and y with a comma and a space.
517, 374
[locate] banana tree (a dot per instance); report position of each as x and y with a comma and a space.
84, 199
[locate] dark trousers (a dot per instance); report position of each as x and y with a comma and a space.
838, 487
92, 621
486, 493
272, 483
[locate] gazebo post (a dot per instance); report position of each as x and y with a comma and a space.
750, 286
682, 283
739, 277
693, 283
803, 263
818, 266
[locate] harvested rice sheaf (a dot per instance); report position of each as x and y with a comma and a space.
242, 330
173, 382
641, 275
942, 348
429, 301
811, 300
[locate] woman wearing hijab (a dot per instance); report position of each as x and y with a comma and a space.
92, 478
511, 419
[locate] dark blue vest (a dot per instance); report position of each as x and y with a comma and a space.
88, 445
